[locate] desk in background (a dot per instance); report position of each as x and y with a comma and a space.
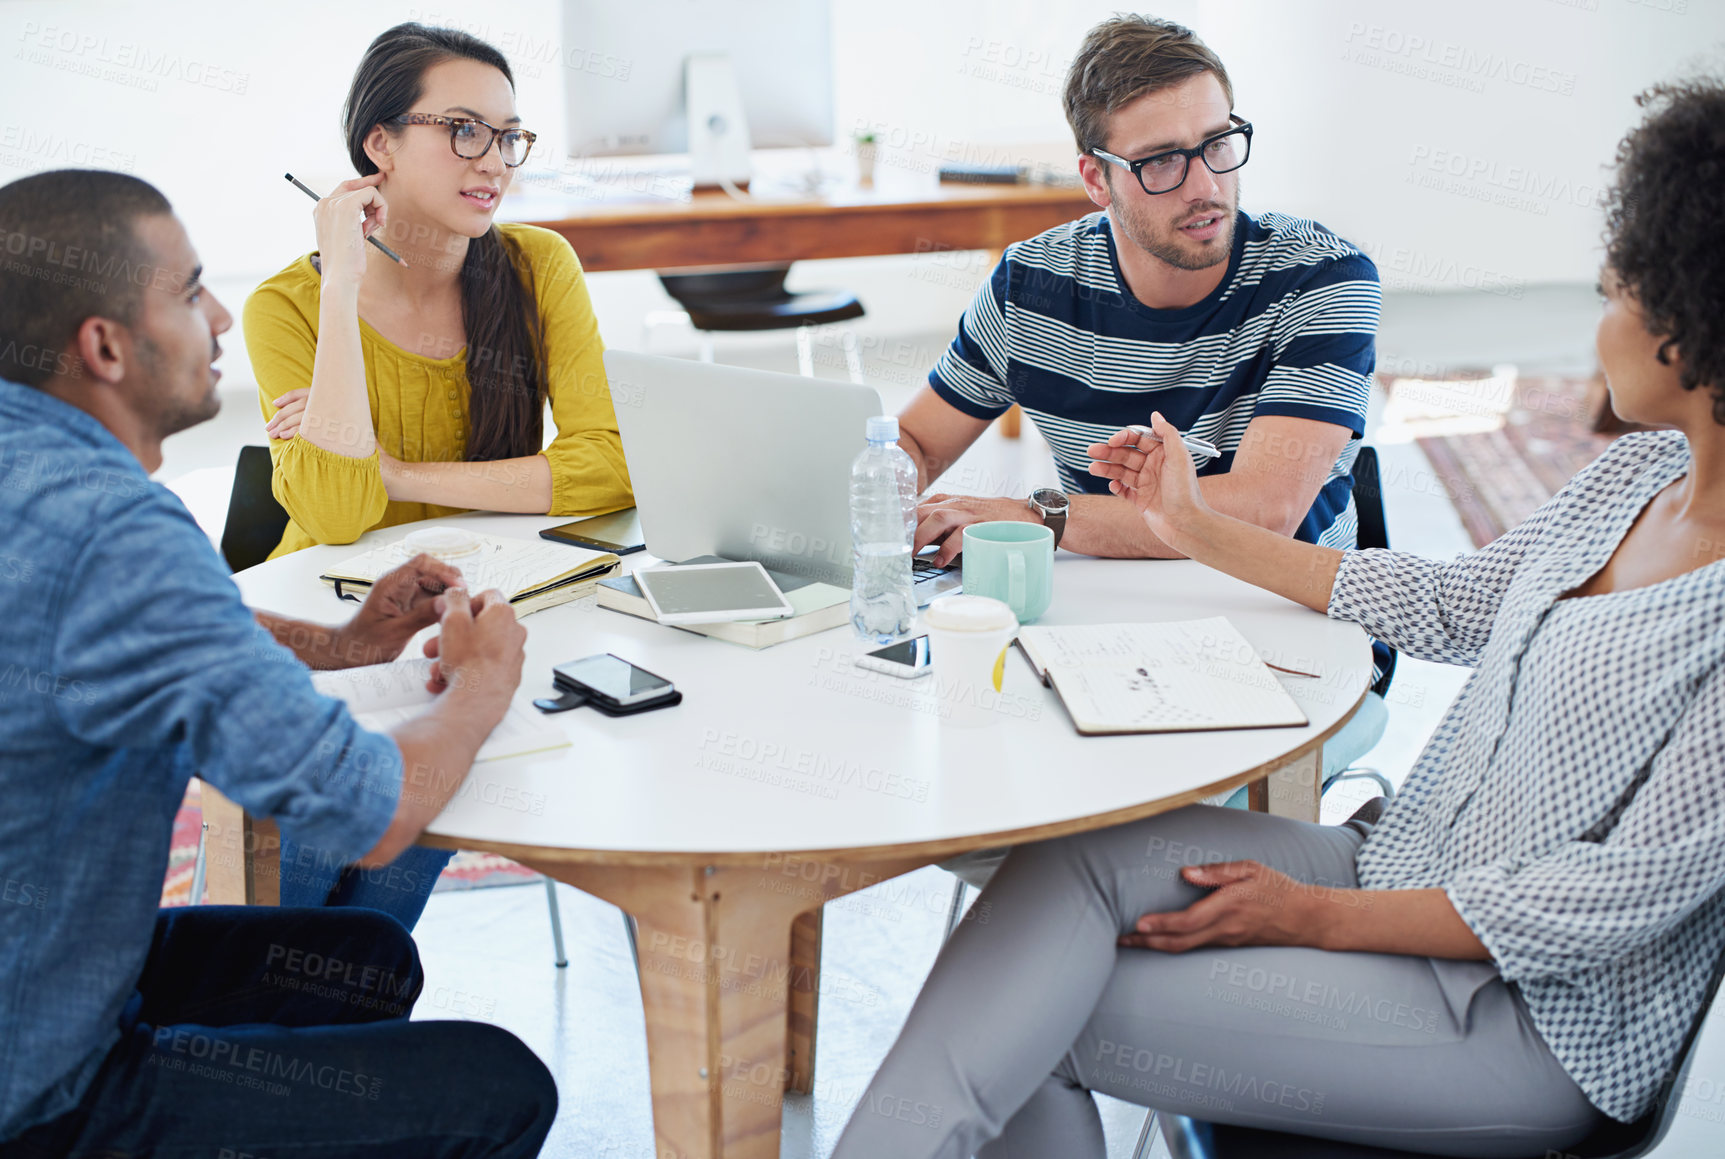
613, 227
619, 229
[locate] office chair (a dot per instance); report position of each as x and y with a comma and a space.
253, 528
1190, 1139
255, 520
1371, 530
756, 299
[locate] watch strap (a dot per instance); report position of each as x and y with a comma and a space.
1055, 521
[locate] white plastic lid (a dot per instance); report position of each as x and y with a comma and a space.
441, 542
883, 429
969, 614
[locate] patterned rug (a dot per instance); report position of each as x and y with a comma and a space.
1499, 443
466, 870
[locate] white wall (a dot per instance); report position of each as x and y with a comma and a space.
1460, 142
1427, 132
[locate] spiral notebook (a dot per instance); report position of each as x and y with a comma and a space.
534, 573
1181, 676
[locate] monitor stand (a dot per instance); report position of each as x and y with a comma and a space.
718, 129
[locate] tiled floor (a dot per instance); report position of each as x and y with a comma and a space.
488, 952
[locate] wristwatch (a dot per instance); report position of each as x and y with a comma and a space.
1052, 506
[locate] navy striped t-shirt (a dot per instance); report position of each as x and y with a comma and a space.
1290, 330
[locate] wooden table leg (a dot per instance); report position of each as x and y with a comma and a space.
242, 854
1295, 789
718, 975
805, 1001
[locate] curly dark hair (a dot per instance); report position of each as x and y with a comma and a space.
1662, 218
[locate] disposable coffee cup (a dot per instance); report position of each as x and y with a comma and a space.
445, 543
967, 641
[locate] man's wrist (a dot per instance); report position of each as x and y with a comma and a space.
1051, 508
313, 645
478, 693
346, 649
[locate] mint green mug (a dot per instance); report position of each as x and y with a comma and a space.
1012, 562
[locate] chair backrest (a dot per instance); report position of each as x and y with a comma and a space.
255, 520
1369, 500
1371, 529
1666, 1102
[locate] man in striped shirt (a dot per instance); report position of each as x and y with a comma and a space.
1254, 333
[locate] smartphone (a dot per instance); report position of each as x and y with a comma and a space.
907, 658
618, 533
613, 681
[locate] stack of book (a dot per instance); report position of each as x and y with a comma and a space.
819, 606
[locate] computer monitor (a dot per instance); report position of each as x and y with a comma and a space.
766, 62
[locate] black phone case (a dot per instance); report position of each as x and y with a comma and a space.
670, 701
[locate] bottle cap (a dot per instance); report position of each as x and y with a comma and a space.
883, 429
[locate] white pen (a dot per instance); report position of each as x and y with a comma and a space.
1199, 448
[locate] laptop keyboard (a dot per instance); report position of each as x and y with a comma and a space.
928, 581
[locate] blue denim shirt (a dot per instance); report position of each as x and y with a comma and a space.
127, 665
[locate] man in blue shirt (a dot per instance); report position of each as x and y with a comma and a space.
127, 665
1255, 333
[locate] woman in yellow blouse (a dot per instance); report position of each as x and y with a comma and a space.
396, 392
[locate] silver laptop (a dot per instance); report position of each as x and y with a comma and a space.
745, 464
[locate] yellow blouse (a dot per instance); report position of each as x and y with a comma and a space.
419, 405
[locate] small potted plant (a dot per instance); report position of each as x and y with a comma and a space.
866, 146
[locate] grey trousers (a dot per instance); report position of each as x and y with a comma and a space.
1027, 1012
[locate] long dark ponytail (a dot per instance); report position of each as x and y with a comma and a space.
505, 348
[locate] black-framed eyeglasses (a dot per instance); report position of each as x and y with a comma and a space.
471, 138
1166, 172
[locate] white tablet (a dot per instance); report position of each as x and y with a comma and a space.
710, 593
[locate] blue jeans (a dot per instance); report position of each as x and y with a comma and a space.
285, 1033
311, 877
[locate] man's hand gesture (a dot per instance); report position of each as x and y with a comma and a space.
399, 604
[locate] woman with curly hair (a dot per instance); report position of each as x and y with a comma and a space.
1512, 955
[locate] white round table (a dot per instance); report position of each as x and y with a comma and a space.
788, 777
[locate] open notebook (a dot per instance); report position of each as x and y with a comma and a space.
1183, 676
381, 696
534, 573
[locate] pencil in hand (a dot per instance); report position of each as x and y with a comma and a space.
387, 252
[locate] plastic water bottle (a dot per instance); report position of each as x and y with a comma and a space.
883, 529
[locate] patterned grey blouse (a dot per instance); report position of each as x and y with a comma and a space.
1572, 801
